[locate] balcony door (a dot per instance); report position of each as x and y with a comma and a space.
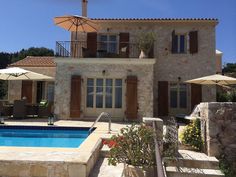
104, 94
107, 44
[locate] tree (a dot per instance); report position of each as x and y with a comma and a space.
32, 51
230, 69
8, 58
5, 59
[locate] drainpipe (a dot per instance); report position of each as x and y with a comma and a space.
84, 8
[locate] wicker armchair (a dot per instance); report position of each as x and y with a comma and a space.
5, 109
19, 109
45, 110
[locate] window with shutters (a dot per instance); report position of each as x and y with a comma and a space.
104, 93
193, 42
179, 43
108, 43
178, 95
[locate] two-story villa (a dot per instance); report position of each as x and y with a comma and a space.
102, 70
127, 86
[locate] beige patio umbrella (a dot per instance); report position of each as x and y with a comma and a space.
215, 79
76, 23
16, 73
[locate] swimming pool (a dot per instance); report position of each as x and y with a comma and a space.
42, 136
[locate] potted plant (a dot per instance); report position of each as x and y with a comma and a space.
145, 43
134, 147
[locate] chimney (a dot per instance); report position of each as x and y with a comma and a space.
84, 8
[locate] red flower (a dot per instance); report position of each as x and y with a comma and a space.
109, 143
112, 144
104, 142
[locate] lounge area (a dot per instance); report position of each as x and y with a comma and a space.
20, 109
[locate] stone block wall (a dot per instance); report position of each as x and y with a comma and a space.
170, 67
93, 68
220, 129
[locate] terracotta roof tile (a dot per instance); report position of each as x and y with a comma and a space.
159, 19
34, 61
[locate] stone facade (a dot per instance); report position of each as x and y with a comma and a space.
170, 67
93, 68
220, 128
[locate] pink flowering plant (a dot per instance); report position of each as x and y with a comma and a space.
133, 146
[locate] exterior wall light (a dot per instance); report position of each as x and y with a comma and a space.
103, 72
179, 78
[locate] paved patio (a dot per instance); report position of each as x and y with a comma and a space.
56, 162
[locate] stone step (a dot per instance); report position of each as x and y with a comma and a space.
102, 169
104, 152
192, 159
192, 172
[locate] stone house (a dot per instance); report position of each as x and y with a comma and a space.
102, 71
34, 91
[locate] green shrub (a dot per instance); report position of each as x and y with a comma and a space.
146, 41
192, 135
229, 96
222, 97
133, 146
226, 167
233, 96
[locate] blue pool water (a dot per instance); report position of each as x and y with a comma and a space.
35, 136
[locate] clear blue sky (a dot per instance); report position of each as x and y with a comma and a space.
26, 23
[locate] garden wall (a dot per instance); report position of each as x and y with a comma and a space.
220, 127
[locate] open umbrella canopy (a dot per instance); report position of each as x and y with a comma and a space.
16, 73
215, 79
76, 23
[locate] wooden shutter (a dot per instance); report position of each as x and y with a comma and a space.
92, 44
124, 43
26, 90
174, 46
163, 100
75, 97
196, 94
193, 42
131, 97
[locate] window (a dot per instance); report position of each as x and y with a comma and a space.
90, 92
99, 93
108, 43
118, 93
40, 91
50, 92
108, 93
178, 95
105, 93
179, 44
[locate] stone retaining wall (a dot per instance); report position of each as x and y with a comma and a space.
220, 128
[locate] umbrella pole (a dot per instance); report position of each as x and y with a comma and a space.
76, 46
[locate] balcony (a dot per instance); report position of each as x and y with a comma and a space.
81, 49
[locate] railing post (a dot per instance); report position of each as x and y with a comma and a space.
157, 125
107, 115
